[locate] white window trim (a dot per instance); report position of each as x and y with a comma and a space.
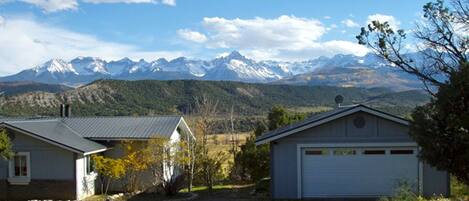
300, 147
19, 180
93, 173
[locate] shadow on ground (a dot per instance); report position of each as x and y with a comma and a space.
234, 193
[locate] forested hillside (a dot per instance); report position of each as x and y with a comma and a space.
150, 97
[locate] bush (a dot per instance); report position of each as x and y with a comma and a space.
263, 185
173, 186
405, 193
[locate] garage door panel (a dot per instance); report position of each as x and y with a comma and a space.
356, 175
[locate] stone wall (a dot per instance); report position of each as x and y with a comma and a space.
38, 190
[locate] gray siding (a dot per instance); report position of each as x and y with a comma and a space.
433, 180
376, 129
48, 162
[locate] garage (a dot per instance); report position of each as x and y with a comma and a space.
349, 152
357, 171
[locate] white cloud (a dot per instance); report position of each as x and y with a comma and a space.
26, 43
288, 32
393, 22
50, 6
193, 36
118, 1
284, 38
328, 48
350, 23
169, 2
327, 17
53, 5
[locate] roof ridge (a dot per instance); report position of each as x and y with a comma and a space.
31, 120
104, 117
71, 129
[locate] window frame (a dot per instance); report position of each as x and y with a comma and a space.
373, 152
19, 180
89, 169
340, 152
401, 152
315, 152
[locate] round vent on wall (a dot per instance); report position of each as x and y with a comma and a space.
359, 122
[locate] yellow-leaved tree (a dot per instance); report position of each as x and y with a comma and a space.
109, 170
136, 162
5, 144
168, 163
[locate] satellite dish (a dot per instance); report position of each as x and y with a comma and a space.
339, 99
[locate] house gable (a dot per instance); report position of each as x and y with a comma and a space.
368, 116
344, 129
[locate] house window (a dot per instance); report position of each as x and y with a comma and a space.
402, 152
374, 152
89, 165
344, 152
20, 168
317, 152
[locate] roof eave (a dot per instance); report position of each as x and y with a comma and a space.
33, 135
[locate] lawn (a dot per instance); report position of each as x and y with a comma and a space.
228, 193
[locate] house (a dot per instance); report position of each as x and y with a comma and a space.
52, 156
349, 152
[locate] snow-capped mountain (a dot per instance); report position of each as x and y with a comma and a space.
89, 65
340, 70
236, 67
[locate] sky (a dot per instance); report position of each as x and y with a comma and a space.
34, 31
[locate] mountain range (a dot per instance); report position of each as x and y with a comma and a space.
341, 70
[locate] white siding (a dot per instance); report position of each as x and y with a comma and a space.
85, 183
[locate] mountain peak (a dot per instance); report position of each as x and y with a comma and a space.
236, 55
55, 66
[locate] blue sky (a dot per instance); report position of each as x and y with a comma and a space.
34, 31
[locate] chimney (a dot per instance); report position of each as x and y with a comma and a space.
62, 110
68, 110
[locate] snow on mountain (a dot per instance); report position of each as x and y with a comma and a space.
55, 66
340, 70
89, 65
182, 64
118, 67
236, 67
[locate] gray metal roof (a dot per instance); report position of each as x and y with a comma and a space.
123, 127
77, 133
317, 118
55, 131
302, 123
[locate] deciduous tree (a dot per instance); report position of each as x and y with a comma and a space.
442, 40
5, 145
109, 170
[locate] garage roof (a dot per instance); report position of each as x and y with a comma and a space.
325, 117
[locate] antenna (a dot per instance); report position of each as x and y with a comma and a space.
338, 100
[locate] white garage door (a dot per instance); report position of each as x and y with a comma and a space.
343, 172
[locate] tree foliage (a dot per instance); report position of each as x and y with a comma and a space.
440, 127
109, 170
135, 162
441, 39
5, 145
166, 159
253, 162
